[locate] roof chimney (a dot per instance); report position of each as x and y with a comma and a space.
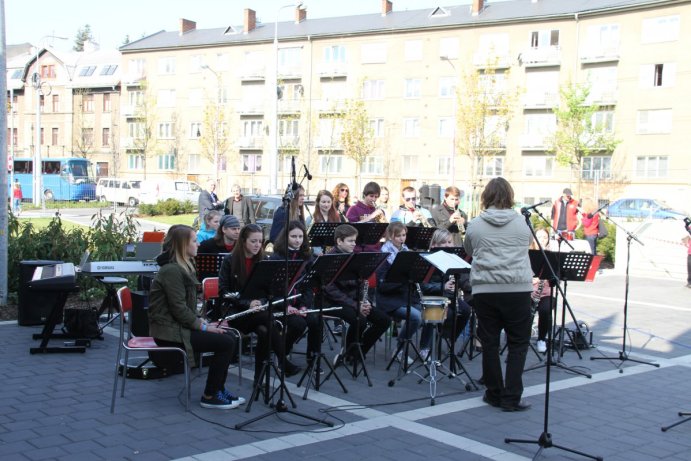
478, 6
300, 14
386, 7
250, 20
186, 25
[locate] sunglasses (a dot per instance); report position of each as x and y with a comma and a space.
345, 190
410, 199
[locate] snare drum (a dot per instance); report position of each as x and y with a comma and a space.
434, 308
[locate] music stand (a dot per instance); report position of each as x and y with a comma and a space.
368, 233
572, 266
322, 272
408, 268
321, 234
418, 238
359, 268
208, 264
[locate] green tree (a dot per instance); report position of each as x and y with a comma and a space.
83, 35
357, 136
484, 106
577, 135
126, 40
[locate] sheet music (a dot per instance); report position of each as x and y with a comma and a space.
446, 261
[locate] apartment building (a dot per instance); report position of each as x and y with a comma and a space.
78, 100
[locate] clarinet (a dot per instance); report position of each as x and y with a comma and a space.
536, 296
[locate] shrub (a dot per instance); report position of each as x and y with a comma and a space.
169, 207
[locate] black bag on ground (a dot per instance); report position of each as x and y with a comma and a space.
602, 231
81, 323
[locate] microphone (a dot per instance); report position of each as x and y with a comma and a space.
601, 208
307, 173
532, 207
292, 174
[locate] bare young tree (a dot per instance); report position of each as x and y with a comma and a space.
83, 124
144, 141
357, 136
214, 136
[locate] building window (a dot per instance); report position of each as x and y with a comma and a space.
105, 137
166, 66
53, 137
87, 136
88, 103
12, 135
166, 98
656, 121
660, 29
445, 127
653, 166
372, 165
538, 166
412, 88
377, 127
195, 97
596, 167
412, 50
109, 69
251, 163
135, 98
330, 163
165, 130
107, 105
409, 165
411, 127
166, 162
252, 127
135, 130
373, 89
194, 162
444, 165
136, 67
544, 38
447, 87
222, 61
87, 71
195, 130
42, 141
603, 36
373, 53
135, 161
603, 121
658, 75
489, 166
42, 103
48, 71
196, 63
448, 47
56, 103
335, 54
289, 60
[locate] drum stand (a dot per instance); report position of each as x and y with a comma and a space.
405, 345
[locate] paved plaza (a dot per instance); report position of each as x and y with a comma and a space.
57, 406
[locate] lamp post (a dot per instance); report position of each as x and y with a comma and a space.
452, 166
218, 113
36, 81
273, 158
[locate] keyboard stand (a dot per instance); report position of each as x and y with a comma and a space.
74, 345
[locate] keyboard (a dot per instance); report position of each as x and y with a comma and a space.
56, 277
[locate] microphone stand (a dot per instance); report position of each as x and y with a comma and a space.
545, 439
623, 355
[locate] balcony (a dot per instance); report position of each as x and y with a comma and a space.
484, 59
600, 53
250, 142
537, 100
603, 97
291, 106
289, 72
251, 107
328, 142
252, 73
541, 57
534, 141
128, 110
331, 106
288, 141
333, 70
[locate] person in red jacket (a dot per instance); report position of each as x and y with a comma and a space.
591, 223
565, 216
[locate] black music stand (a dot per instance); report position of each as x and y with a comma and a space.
623, 356
408, 268
545, 439
418, 238
572, 267
208, 264
359, 268
368, 233
320, 274
321, 234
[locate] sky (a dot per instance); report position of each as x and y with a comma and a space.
111, 21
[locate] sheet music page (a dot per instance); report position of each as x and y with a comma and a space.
445, 261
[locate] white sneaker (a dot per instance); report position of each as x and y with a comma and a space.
424, 353
399, 357
541, 346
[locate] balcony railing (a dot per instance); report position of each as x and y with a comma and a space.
603, 97
599, 53
484, 59
290, 106
250, 142
249, 73
326, 142
339, 69
541, 57
534, 141
330, 106
288, 141
251, 107
537, 100
289, 71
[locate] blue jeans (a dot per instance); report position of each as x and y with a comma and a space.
592, 240
409, 328
17, 205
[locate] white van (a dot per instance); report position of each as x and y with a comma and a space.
159, 190
120, 191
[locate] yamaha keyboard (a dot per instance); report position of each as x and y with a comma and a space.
106, 268
56, 277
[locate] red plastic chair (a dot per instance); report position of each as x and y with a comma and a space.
153, 237
139, 343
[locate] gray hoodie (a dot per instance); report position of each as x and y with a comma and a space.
498, 241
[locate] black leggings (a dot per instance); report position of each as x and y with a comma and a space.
222, 345
544, 319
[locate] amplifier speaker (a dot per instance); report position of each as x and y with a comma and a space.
34, 306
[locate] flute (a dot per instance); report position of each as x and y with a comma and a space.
310, 311
260, 308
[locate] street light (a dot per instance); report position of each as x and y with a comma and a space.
273, 159
455, 108
218, 113
36, 81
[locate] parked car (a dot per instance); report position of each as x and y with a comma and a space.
159, 190
642, 208
120, 191
264, 208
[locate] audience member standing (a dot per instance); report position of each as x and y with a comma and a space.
240, 206
208, 200
591, 223
565, 212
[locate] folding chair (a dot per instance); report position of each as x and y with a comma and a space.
139, 343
